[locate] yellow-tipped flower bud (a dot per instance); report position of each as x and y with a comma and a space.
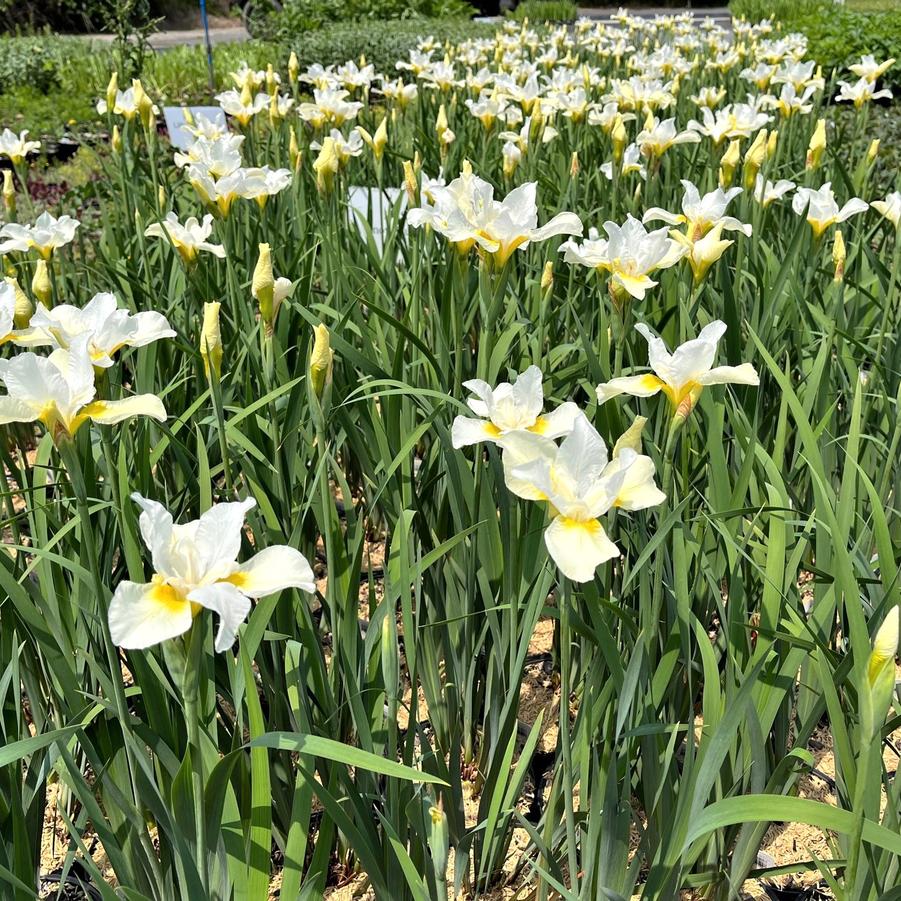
262, 287
729, 163
161, 196
9, 193
143, 104
620, 137
326, 166
839, 255
271, 81
885, 646
189, 116
112, 89
872, 151
41, 286
547, 277
439, 838
24, 309
116, 140
574, 164
754, 159
293, 67
321, 360
294, 151
771, 143
211, 340
410, 184
817, 145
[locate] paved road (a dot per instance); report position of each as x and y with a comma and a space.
191, 37
163, 40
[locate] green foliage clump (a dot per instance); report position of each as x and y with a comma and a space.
36, 62
837, 34
299, 16
383, 43
546, 11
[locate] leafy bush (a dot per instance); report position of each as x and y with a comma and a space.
546, 11
383, 43
36, 62
837, 34
299, 16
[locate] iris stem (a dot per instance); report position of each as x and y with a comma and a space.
566, 745
190, 683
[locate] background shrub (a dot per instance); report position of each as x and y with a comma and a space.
299, 16
383, 43
546, 11
837, 34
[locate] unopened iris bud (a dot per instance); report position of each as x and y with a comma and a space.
211, 340
24, 309
41, 287
439, 838
885, 647
112, 89
620, 137
161, 196
189, 116
262, 287
547, 277
754, 159
293, 67
839, 255
271, 81
771, 143
574, 164
321, 360
116, 140
872, 151
411, 186
143, 104
326, 166
817, 146
729, 163
631, 438
9, 193
294, 151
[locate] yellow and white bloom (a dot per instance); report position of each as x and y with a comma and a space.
218, 157
631, 162
579, 483
701, 214
684, 373
766, 192
330, 106
510, 407
17, 147
107, 327
629, 254
59, 392
46, 235
861, 92
467, 214
658, 136
821, 208
128, 103
188, 239
243, 105
195, 566
890, 208
869, 69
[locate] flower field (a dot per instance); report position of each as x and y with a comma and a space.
472, 480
